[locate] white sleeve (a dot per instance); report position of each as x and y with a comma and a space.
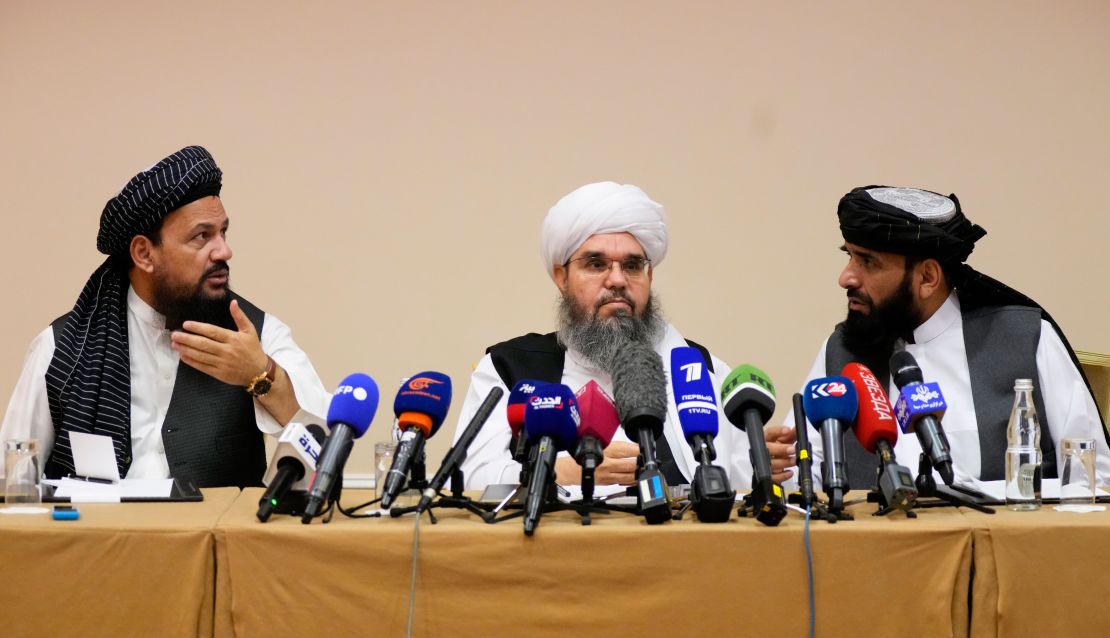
817, 370
28, 415
1070, 410
488, 461
277, 341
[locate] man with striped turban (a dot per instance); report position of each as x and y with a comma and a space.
910, 289
162, 298
600, 245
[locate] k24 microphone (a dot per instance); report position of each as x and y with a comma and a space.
830, 404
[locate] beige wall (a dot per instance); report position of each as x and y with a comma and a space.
387, 167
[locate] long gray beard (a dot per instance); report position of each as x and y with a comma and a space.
599, 340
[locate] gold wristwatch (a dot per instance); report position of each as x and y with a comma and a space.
260, 385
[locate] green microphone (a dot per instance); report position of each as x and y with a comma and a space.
748, 400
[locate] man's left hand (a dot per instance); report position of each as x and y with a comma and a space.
232, 356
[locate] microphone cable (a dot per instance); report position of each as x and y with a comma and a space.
412, 582
809, 568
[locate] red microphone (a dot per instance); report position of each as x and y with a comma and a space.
877, 431
595, 432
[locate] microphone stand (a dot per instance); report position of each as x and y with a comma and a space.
927, 486
456, 500
806, 496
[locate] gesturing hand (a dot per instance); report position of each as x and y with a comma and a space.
232, 356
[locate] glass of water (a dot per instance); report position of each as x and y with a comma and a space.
22, 478
1077, 477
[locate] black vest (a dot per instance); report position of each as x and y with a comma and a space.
540, 357
1001, 346
210, 434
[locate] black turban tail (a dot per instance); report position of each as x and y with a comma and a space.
88, 383
876, 225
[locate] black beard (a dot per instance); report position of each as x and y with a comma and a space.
181, 303
598, 340
874, 334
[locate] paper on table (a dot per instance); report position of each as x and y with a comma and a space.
78, 491
93, 455
1050, 488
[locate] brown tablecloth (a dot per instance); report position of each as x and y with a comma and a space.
1042, 573
874, 576
125, 569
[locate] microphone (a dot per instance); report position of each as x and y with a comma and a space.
420, 406
595, 432
877, 433
551, 424
457, 454
349, 415
294, 458
711, 494
831, 407
803, 452
640, 391
514, 413
919, 409
748, 397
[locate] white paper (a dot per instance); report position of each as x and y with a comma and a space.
1050, 488
78, 491
94, 456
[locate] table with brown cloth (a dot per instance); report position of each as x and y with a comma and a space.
1040, 573
121, 569
618, 576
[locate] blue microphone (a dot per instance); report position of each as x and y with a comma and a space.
514, 413
711, 494
349, 415
919, 409
551, 424
420, 406
831, 404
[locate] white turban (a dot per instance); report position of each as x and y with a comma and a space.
596, 209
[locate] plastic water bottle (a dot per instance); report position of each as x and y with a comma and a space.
1023, 451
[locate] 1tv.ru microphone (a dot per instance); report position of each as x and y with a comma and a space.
830, 404
294, 460
877, 433
640, 393
349, 415
919, 410
420, 406
595, 432
711, 493
551, 425
457, 454
748, 397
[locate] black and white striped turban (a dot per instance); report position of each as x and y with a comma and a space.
88, 383
179, 179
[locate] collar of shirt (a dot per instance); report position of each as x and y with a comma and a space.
942, 319
143, 311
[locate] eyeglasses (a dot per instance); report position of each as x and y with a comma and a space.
597, 266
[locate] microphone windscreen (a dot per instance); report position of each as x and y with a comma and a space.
904, 369
354, 403
518, 400
747, 387
599, 415
423, 401
639, 384
552, 411
875, 419
694, 394
830, 398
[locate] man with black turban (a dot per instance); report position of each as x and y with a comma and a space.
910, 289
111, 366
600, 245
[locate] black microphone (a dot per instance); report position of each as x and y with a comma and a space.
349, 414
295, 457
748, 397
457, 454
804, 453
551, 425
918, 409
640, 393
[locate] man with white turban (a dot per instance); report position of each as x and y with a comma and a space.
600, 245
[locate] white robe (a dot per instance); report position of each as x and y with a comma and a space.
153, 374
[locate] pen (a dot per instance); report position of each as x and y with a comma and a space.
92, 479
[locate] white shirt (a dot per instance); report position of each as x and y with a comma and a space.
153, 374
489, 461
939, 350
